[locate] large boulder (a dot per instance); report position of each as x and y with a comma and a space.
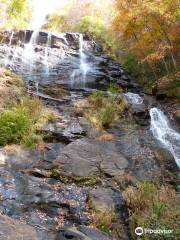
15, 230
86, 157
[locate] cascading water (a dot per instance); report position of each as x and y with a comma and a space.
79, 75
83, 64
6, 60
29, 56
133, 98
48, 45
162, 131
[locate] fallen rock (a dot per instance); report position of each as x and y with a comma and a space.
15, 230
63, 132
94, 234
105, 200
84, 233
86, 157
18, 157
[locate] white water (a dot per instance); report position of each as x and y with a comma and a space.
6, 60
48, 45
162, 131
83, 63
133, 98
79, 75
29, 48
62, 35
30, 55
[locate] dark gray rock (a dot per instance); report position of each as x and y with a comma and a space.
15, 230
94, 234
19, 158
83, 233
64, 132
86, 158
105, 200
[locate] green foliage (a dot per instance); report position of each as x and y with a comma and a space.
153, 207
92, 25
114, 88
16, 14
14, 126
19, 124
55, 22
130, 64
173, 88
104, 110
105, 220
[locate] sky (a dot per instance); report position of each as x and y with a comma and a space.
40, 10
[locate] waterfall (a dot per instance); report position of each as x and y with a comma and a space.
83, 64
48, 45
133, 98
29, 56
6, 60
29, 47
79, 75
162, 131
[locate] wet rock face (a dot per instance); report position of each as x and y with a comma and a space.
42, 202
63, 133
63, 51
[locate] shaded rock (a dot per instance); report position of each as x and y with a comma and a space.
94, 234
84, 233
105, 200
40, 201
15, 230
19, 158
86, 158
165, 158
63, 132
177, 116
140, 113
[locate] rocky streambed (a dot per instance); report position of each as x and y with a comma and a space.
53, 192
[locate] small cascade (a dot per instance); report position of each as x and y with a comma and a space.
162, 131
48, 45
29, 47
83, 64
6, 61
62, 35
79, 75
29, 56
133, 98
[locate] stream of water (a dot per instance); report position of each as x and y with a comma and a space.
7, 59
79, 75
164, 133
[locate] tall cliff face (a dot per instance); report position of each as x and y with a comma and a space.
61, 58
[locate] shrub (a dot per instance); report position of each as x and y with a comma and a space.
104, 110
96, 99
114, 88
104, 220
153, 207
130, 64
14, 125
19, 125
